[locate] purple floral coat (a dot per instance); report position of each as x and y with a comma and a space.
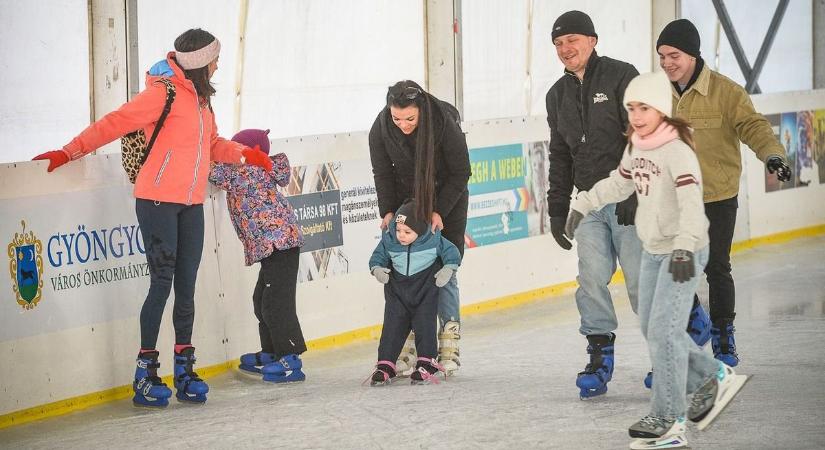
263, 218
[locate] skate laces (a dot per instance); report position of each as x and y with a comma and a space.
653, 422
427, 364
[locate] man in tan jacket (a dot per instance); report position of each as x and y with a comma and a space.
721, 114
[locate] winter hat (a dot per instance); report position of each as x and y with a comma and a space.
252, 137
652, 89
573, 22
406, 216
681, 34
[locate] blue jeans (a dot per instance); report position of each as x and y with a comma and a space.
679, 365
448, 303
600, 241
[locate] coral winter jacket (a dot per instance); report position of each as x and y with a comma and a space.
177, 168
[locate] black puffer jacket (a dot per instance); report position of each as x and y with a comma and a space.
393, 167
587, 121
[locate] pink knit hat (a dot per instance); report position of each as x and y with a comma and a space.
252, 137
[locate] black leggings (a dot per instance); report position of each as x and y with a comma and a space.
274, 303
173, 237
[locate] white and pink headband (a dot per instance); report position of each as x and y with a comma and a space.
200, 57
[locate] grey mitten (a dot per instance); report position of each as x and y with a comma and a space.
443, 276
573, 221
382, 274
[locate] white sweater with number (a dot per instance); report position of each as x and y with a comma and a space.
668, 184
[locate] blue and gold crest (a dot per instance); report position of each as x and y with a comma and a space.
26, 267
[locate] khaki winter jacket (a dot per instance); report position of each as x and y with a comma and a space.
721, 114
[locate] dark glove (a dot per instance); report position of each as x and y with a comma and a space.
256, 157
626, 211
56, 158
681, 266
573, 220
557, 229
777, 165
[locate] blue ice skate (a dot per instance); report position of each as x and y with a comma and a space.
593, 380
149, 388
190, 388
699, 325
723, 343
252, 362
284, 370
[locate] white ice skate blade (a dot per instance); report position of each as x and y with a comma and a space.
718, 407
673, 441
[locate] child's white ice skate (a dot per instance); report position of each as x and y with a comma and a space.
656, 432
448, 347
710, 400
405, 365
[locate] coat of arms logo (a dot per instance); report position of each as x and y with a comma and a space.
26, 267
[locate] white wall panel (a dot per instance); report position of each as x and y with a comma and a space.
44, 75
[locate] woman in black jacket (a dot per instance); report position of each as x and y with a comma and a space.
418, 151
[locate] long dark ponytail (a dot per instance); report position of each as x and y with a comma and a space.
401, 95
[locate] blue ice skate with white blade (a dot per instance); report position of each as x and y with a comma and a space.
149, 388
252, 362
285, 370
698, 328
190, 387
599, 371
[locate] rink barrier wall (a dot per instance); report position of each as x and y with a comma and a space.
363, 334
335, 310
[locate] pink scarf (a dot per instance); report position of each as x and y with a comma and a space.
663, 134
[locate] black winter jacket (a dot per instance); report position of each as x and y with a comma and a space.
587, 124
393, 165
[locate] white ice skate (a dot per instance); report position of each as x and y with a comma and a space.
448, 347
672, 437
405, 365
711, 399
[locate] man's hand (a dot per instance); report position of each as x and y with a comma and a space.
557, 230
777, 165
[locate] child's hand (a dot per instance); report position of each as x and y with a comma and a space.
681, 266
442, 277
382, 274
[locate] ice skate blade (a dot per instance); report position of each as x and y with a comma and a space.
385, 383
295, 377
138, 404
738, 382
674, 441
252, 370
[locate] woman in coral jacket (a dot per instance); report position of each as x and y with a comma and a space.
169, 194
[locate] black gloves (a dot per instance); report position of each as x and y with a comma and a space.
681, 266
557, 228
778, 165
626, 211
573, 220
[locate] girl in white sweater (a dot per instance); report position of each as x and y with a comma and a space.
660, 165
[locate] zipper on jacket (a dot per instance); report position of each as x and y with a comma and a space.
200, 145
409, 247
581, 109
163, 166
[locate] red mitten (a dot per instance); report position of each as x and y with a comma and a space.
56, 158
258, 158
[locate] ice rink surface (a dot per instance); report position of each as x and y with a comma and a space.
515, 390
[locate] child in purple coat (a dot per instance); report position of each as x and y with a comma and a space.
268, 228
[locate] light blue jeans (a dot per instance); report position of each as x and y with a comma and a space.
448, 303
600, 241
679, 365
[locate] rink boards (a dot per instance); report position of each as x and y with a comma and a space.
76, 278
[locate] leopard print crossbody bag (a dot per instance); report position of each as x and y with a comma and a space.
133, 147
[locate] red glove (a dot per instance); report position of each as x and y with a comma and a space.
56, 158
256, 157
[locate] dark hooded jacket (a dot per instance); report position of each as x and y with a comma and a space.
587, 123
393, 166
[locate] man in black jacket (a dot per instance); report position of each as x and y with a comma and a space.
587, 122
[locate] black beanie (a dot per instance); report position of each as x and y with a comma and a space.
406, 215
573, 22
681, 34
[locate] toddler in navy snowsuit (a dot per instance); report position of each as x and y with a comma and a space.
413, 263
